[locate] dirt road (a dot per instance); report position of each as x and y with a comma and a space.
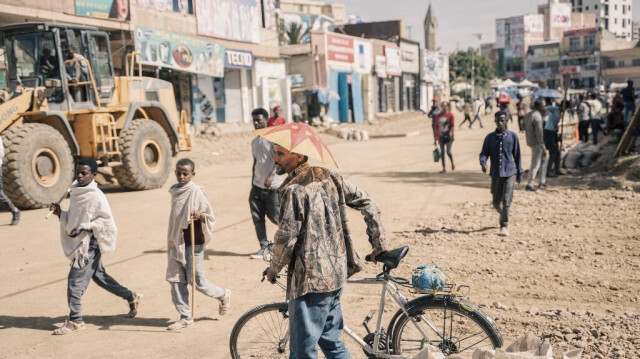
569, 272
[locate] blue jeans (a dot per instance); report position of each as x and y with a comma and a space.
79, 278
315, 319
263, 203
180, 290
629, 110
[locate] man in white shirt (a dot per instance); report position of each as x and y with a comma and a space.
296, 112
263, 199
595, 107
478, 107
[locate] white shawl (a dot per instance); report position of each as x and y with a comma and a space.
89, 210
184, 200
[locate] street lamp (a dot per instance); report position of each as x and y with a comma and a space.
473, 67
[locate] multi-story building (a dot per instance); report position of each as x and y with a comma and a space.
611, 15
558, 18
581, 56
635, 35
514, 35
619, 66
542, 63
221, 56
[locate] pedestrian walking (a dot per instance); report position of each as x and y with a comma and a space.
503, 148
628, 101
535, 139
466, 110
188, 203
477, 110
595, 107
314, 240
87, 230
263, 198
433, 114
583, 119
444, 134
296, 112
521, 109
5, 202
550, 136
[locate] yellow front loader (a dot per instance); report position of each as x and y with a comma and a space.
65, 103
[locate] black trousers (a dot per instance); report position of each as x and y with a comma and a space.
551, 143
583, 130
5, 202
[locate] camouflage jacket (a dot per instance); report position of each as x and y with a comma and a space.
313, 238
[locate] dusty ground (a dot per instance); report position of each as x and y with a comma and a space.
568, 272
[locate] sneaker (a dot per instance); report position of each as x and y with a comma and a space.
257, 255
552, 175
16, 218
544, 186
530, 188
182, 323
225, 302
503, 232
133, 305
443, 171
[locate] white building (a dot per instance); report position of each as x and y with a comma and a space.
612, 15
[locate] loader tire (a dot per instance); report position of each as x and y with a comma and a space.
146, 156
38, 165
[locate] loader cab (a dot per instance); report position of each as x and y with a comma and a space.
35, 56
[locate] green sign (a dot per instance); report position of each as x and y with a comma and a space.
176, 51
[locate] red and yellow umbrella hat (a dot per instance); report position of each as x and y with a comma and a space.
298, 138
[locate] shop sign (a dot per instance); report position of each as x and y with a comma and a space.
340, 48
238, 59
410, 58
392, 54
106, 9
274, 70
297, 80
238, 20
581, 32
176, 51
363, 56
381, 66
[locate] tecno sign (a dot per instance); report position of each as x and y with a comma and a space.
237, 59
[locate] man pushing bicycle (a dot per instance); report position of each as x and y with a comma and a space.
313, 240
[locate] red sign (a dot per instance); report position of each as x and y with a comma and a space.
581, 32
340, 48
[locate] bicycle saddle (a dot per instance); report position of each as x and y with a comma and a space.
390, 258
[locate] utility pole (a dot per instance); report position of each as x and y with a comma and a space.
473, 67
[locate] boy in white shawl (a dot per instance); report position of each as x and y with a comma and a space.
188, 201
87, 230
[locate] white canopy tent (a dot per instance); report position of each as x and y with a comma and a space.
527, 84
508, 83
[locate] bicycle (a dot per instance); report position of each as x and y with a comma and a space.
442, 319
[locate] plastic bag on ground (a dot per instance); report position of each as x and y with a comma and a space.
431, 352
525, 347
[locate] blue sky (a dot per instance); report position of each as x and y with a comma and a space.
458, 19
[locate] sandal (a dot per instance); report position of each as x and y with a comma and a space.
69, 327
225, 302
133, 305
182, 323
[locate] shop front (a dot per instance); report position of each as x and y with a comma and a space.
272, 87
347, 106
237, 85
410, 84
389, 86
190, 64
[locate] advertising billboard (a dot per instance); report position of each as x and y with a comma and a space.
560, 15
340, 48
180, 52
238, 20
107, 9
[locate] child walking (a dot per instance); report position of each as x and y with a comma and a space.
87, 230
188, 201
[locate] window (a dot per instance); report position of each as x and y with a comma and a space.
635, 62
621, 63
589, 42
586, 8
596, 7
615, 20
610, 64
574, 43
606, 10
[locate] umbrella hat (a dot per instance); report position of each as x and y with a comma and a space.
298, 138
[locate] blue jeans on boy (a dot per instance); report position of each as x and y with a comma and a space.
315, 319
180, 290
79, 278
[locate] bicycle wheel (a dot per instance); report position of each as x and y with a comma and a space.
262, 332
455, 327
